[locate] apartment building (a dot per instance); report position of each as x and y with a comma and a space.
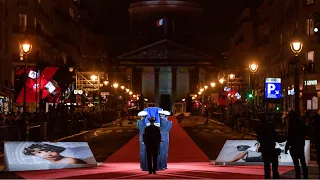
276, 24
60, 32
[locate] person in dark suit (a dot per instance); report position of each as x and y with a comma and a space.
152, 140
267, 137
295, 144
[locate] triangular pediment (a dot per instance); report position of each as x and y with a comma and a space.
165, 49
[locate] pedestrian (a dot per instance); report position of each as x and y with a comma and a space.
267, 137
295, 144
152, 140
316, 137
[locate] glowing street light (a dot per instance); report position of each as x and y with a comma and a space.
199, 93
130, 92
213, 84
232, 76
205, 87
221, 81
127, 90
296, 46
201, 90
105, 82
122, 87
115, 85
25, 48
93, 77
253, 67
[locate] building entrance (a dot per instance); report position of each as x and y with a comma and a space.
165, 102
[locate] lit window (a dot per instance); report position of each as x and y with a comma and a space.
310, 56
310, 26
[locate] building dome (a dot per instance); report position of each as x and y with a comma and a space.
164, 6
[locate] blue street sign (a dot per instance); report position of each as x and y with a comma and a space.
273, 88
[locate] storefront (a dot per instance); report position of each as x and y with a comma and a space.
6, 98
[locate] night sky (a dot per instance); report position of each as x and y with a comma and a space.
112, 19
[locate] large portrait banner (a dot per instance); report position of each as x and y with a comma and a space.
22, 156
246, 152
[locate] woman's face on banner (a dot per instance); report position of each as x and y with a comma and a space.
46, 154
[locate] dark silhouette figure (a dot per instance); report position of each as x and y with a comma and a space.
295, 144
152, 140
267, 137
316, 137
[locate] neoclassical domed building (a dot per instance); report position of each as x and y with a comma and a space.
163, 66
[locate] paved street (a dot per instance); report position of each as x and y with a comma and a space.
210, 138
106, 141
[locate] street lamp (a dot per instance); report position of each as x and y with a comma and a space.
213, 84
253, 68
130, 92
127, 90
221, 81
232, 76
25, 49
296, 47
205, 87
115, 85
122, 87
93, 77
105, 83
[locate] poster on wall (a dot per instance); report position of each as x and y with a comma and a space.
23, 156
246, 152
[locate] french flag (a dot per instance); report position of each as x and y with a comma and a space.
160, 22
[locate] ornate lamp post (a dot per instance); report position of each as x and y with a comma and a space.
25, 49
253, 68
221, 81
231, 77
296, 47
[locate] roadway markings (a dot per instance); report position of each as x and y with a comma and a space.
108, 131
119, 130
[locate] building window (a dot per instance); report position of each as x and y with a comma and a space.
23, 20
309, 26
310, 56
309, 2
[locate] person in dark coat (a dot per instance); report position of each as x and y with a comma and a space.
267, 137
152, 140
295, 144
316, 137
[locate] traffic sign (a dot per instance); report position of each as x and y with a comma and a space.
273, 88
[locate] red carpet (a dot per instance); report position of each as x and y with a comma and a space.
186, 160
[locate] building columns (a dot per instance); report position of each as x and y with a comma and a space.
174, 84
156, 86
